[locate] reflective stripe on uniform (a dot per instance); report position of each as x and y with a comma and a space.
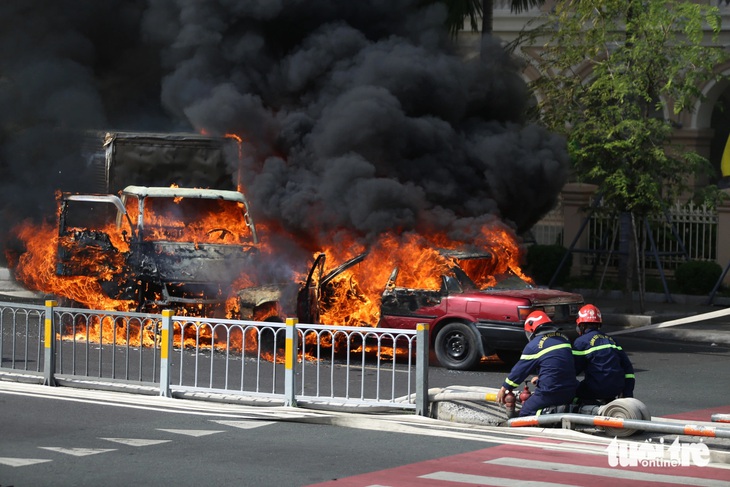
543, 352
595, 349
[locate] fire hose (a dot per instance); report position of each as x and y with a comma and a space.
621, 417
720, 418
681, 321
621, 427
616, 417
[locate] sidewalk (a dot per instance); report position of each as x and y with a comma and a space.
688, 318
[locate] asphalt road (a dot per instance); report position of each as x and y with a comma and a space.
58, 436
73, 437
96, 438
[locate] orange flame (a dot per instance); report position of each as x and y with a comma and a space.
355, 294
356, 300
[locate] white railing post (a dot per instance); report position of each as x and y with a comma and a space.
165, 346
49, 345
290, 360
422, 403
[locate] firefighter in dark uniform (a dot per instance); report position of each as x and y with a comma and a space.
548, 354
607, 369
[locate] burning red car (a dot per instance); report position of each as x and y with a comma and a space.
473, 313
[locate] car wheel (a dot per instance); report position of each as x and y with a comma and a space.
509, 357
457, 347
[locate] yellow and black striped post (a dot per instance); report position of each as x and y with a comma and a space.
290, 360
49, 346
422, 403
165, 347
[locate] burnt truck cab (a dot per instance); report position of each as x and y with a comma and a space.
159, 246
468, 322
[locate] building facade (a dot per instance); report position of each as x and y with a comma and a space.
705, 130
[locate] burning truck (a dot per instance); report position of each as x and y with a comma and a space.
140, 242
157, 247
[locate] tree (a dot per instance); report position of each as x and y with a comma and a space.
474, 10
617, 72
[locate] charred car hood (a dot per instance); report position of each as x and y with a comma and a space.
536, 296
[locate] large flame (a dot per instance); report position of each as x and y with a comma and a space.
36, 269
353, 300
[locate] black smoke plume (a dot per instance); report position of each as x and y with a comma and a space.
356, 115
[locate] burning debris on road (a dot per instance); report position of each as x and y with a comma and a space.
359, 123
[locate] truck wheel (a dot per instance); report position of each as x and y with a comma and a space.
272, 339
457, 347
509, 357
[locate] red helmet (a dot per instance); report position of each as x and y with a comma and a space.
589, 314
534, 320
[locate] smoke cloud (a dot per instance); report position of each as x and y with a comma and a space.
356, 116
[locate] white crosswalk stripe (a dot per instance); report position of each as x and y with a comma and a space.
464, 478
606, 472
551, 465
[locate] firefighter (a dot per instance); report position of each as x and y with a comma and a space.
547, 355
607, 370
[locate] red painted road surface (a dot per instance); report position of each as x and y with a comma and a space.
701, 414
511, 465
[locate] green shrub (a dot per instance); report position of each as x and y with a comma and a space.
697, 277
543, 261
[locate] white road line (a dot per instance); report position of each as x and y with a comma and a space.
243, 424
135, 441
195, 433
483, 480
21, 462
77, 452
606, 472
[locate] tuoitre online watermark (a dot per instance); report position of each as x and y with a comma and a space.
657, 454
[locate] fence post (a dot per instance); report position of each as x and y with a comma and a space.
165, 347
49, 345
422, 403
290, 355
576, 198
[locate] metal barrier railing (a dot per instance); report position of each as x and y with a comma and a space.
294, 363
224, 356
389, 354
21, 337
106, 344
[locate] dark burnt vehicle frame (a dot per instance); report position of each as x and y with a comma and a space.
155, 272
466, 323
